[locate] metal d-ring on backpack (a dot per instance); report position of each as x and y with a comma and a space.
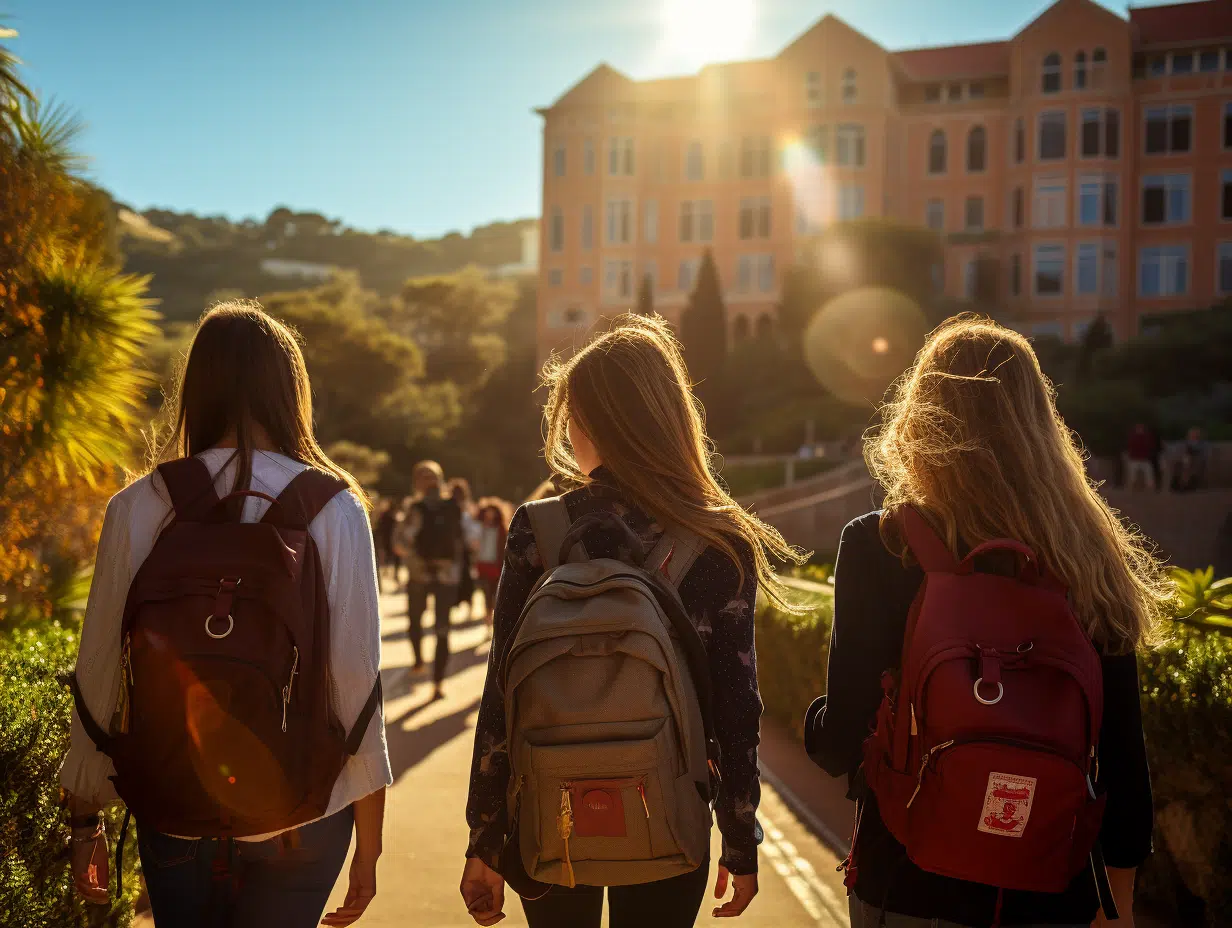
607, 702
225, 727
984, 753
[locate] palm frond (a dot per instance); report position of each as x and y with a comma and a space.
13, 92
47, 134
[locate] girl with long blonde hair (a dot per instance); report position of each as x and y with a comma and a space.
625, 430
972, 440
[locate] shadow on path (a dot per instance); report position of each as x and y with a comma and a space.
409, 747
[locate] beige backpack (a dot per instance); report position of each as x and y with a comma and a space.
607, 707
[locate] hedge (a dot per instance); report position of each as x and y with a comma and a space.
36, 884
1187, 719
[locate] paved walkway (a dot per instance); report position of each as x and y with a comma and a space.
425, 830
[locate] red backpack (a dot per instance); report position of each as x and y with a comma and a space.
225, 726
984, 750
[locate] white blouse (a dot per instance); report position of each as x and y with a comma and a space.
341, 531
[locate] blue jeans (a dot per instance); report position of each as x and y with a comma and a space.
285, 881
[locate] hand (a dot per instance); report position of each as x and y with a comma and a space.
90, 860
745, 889
483, 891
362, 890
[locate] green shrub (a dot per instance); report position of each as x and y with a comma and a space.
791, 657
36, 885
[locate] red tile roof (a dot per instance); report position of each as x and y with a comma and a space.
985, 59
1182, 22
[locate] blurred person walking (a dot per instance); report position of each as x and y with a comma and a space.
493, 526
1141, 451
460, 491
239, 718
985, 627
624, 428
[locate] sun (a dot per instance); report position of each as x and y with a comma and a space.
698, 32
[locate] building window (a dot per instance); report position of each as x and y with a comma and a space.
650, 221
970, 270
694, 162
849, 86
620, 157
975, 90
1209, 60
1015, 274
588, 156
755, 156
556, 277
755, 217
812, 89
755, 273
953, 93
818, 142
1052, 135
850, 202
974, 214
1020, 141
934, 215
686, 274
1049, 270
1099, 64
1080, 71
556, 230
1158, 65
1224, 261
588, 227
1225, 195
932, 93
1050, 73
586, 275
1086, 269
1227, 125
740, 329
1108, 268
1168, 129
1101, 132
936, 152
1097, 201
1163, 270
849, 145
697, 220
558, 159
1048, 206
1182, 63
1165, 199
977, 149
619, 222
618, 280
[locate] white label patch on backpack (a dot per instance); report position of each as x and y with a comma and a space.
1007, 804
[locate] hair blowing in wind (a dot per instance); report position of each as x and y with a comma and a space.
972, 437
630, 392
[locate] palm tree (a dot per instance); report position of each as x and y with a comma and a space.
12, 91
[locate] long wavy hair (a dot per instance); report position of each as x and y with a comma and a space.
630, 392
972, 437
245, 370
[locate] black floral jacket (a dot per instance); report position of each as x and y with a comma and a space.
721, 608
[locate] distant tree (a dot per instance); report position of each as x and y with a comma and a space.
363, 463
645, 296
703, 325
1095, 341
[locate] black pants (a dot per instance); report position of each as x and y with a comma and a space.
670, 903
446, 597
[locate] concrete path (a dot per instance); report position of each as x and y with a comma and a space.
425, 832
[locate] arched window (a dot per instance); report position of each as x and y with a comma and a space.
936, 152
694, 162
740, 328
849, 86
1080, 71
977, 148
1050, 74
765, 326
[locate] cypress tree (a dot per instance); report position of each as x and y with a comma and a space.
703, 324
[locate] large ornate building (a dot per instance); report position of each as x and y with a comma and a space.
1088, 155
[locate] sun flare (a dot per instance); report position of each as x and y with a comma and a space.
698, 32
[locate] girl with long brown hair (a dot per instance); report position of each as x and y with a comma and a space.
624, 428
971, 440
245, 413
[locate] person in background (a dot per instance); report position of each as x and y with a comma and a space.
460, 491
383, 534
1191, 466
431, 540
493, 523
1140, 451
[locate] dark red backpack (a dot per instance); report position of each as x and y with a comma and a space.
984, 751
225, 726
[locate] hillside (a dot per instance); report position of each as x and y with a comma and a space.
195, 259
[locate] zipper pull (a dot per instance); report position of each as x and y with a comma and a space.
564, 827
641, 789
914, 730
286, 690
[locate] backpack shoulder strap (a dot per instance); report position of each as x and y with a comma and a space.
191, 487
549, 520
928, 547
676, 552
304, 497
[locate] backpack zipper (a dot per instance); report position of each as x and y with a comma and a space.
564, 827
286, 690
988, 739
641, 791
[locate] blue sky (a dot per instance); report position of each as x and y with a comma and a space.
403, 114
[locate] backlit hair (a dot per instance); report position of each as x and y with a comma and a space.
972, 437
630, 393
